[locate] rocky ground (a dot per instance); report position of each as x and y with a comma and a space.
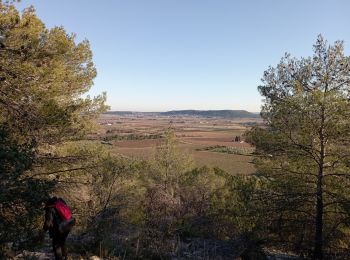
48, 256
196, 248
271, 255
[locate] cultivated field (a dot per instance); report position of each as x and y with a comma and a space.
210, 141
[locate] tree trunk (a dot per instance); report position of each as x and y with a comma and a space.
318, 251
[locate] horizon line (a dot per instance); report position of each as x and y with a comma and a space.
145, 111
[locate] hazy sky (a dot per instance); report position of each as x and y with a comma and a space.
156, 55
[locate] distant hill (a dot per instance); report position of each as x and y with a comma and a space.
198, 113
121, 113
212, 113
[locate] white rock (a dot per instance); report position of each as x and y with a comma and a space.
94, 258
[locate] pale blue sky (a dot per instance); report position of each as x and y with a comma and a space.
157, 55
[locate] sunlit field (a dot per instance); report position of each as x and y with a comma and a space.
137, 137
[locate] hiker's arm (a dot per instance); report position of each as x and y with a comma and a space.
48, 219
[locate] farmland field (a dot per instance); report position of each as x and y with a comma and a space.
210, 141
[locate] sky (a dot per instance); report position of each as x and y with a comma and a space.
160, 55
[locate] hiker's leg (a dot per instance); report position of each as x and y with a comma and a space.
64, 248
57, 250
64, 251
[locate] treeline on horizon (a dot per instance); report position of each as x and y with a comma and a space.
297, 202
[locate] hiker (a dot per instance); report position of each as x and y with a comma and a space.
59, 222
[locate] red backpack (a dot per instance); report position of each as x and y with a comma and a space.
63, 210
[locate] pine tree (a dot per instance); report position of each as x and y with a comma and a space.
303, 152
43, 75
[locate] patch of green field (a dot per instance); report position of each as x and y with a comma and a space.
228, 149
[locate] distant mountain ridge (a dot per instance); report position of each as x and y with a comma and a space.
190, 112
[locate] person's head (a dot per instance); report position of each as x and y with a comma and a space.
51, 201
49, 211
